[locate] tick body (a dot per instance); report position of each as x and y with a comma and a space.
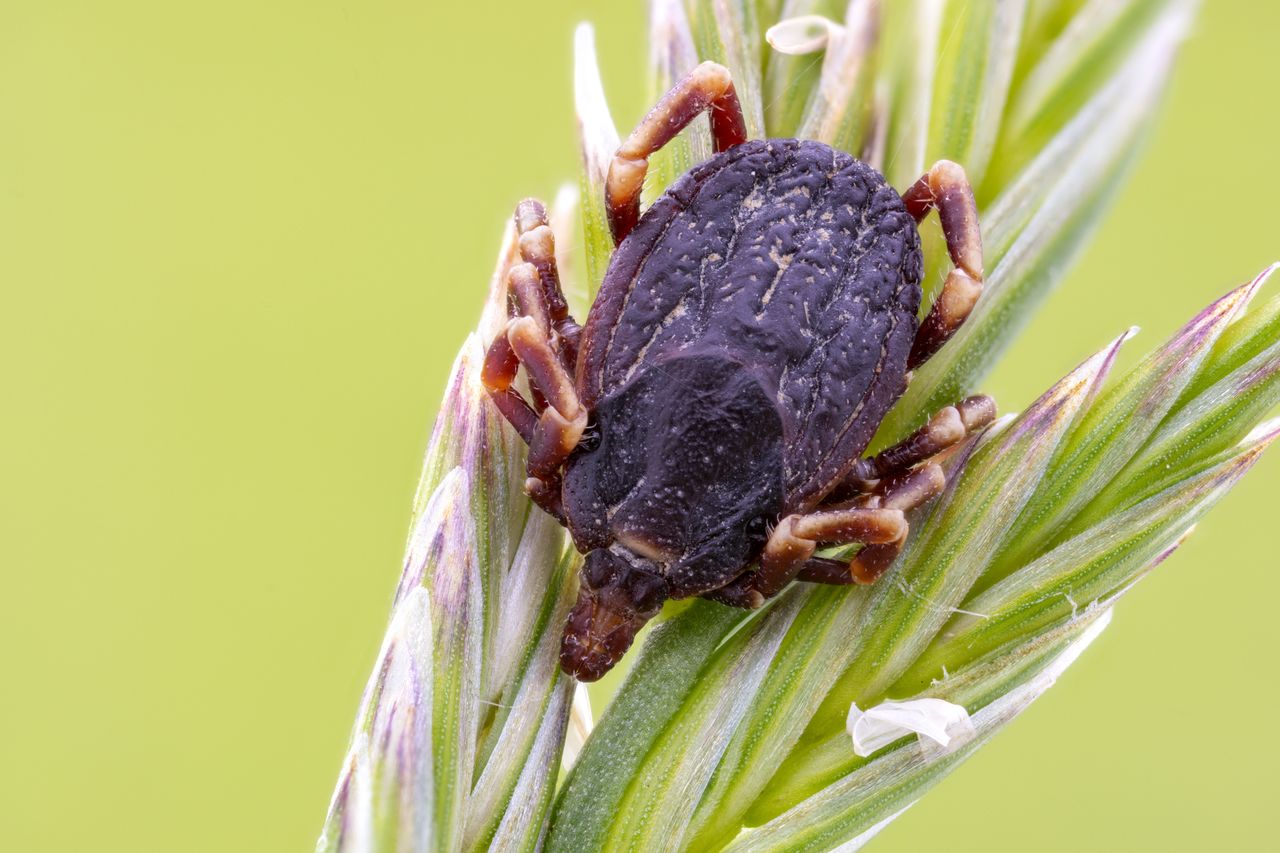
703, 433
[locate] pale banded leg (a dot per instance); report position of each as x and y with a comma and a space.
947, 428
876, 521
538, 249
904, 493
554, 433
900, 494
542, 337
945, 188
707, 87
892, 475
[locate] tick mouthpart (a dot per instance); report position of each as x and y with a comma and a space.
619, 593
596, 637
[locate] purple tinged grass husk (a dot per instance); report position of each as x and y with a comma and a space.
1115, 428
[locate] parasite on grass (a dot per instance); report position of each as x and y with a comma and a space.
702, 434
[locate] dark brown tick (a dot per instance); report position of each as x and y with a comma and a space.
703, 433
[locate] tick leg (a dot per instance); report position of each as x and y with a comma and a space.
901, 494
554, 434
739, 592
946, 189
791, 545
542, 336
891, 479
500, 368
546, 494
524, 289
523, 342
707, 87
876, 497
944, 430
561, 424
538, 251
825, 570
880, 526
904, 493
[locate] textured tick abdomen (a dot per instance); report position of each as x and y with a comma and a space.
788, 257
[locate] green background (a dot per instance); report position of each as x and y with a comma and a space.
239, 244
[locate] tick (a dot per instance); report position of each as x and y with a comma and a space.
702, 434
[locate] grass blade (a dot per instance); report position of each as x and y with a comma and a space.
1114, 429
672, 55
508, 784
726, 31
1098, 563
445, 543
598, 137
912, 38
657, 814
974, 70
385, 794
665, 672
788, 75
838, 112
911, 604
1038, 223
1095, 42
858, 804
800, 674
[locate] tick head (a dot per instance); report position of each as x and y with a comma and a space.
620, 591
